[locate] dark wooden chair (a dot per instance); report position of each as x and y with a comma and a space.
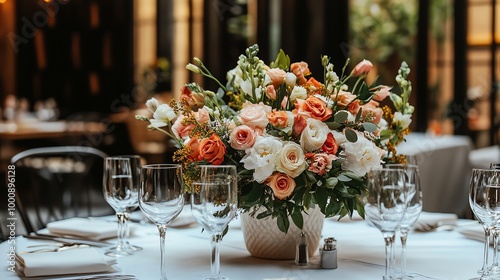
56, 183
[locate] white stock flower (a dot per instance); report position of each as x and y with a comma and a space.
235, 74
298, 92
261, 157
290, 79
361, 156
402, 120
291, 160
162, 116
152, 104
314, 135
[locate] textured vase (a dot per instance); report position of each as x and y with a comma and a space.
263, 239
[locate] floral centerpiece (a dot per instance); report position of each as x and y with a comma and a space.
297, 142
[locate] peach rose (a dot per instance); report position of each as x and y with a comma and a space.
301, 70
271, 92
372, 114
242, 137
354, 107
212, 149
344, 98
254, 115
281, 184
194, 144
192, 98
313, 82
320, 163
277, 76
313, 107
362, 68
330, 146
202, 115
278, 119
382, 93
180, 129
299, 124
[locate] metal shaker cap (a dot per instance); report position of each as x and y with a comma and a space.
330, 244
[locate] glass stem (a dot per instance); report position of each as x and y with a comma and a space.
403, 237
215, 254
484, 269
389, 253
126, 228
121, 234
163, 260
494, 265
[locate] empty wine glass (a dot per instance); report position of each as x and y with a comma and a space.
118, 192
385, 202
495, 267
196, 205
135, 166
219, 203
161, 199
413, 209
480, 193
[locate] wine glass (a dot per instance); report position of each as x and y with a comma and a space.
161, 199
385, 202
479, 196
413, 209
118, 193
219, 203
135, 166
196, 205
495, 267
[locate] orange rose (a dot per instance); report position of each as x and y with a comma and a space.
313, 82
320, 163
212, 149
354, 107
330, 146
281, 184
194, 143
277, 76
191, 98
299, 124
278, 119
313, 107
362, 68
301, 70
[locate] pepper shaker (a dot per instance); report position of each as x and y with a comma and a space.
329, 253
301, 252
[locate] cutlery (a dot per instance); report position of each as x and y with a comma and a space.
108, 277
68, 240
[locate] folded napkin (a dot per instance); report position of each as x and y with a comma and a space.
474, 231
91, 229
434, 219
74, 261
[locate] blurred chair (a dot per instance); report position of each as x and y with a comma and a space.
56, 183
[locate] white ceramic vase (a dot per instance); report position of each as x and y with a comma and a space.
263, 239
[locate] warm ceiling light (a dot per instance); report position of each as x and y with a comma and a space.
2, 1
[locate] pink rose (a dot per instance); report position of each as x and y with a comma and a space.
362, 68
254, 115
271, 92
181, 129
202, 116
242, 137
320, 163
382, 93
277, 76
281, 184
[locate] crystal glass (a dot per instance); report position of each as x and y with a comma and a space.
219, 203
495, 233
385, 202
119, 193
161, 199
413, 209
135, 166
483, 196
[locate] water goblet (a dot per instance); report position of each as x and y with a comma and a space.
219, 203
481, 202
385, 202
413, 209
135, 166
118, 193
161, 199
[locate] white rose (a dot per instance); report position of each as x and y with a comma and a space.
314, 135
261, 157
162, 116
291, 160
290, 79
298, 92
361, 156
402, 120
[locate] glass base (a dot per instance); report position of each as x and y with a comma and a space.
216, 278
114, 252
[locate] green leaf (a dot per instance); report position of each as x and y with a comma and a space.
254, 195
351, 135
282, 61
341, 116
297, 218
333, 125
321, 196
370, 127
358, 115
331, 182
364, 92
352, 175
283, 223
343, 178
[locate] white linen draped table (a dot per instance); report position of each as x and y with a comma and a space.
445, 170
433, 255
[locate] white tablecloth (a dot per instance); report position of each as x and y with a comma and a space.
434, 255
445, 170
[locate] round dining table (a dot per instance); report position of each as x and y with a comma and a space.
438, 254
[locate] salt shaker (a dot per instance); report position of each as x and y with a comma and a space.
301, 252
329, 253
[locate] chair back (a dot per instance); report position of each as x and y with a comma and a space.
56, 183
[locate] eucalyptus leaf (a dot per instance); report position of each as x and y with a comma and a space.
341, 116
333, 125
331, 182
370, 127
351, 135
358, 115
343, 178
